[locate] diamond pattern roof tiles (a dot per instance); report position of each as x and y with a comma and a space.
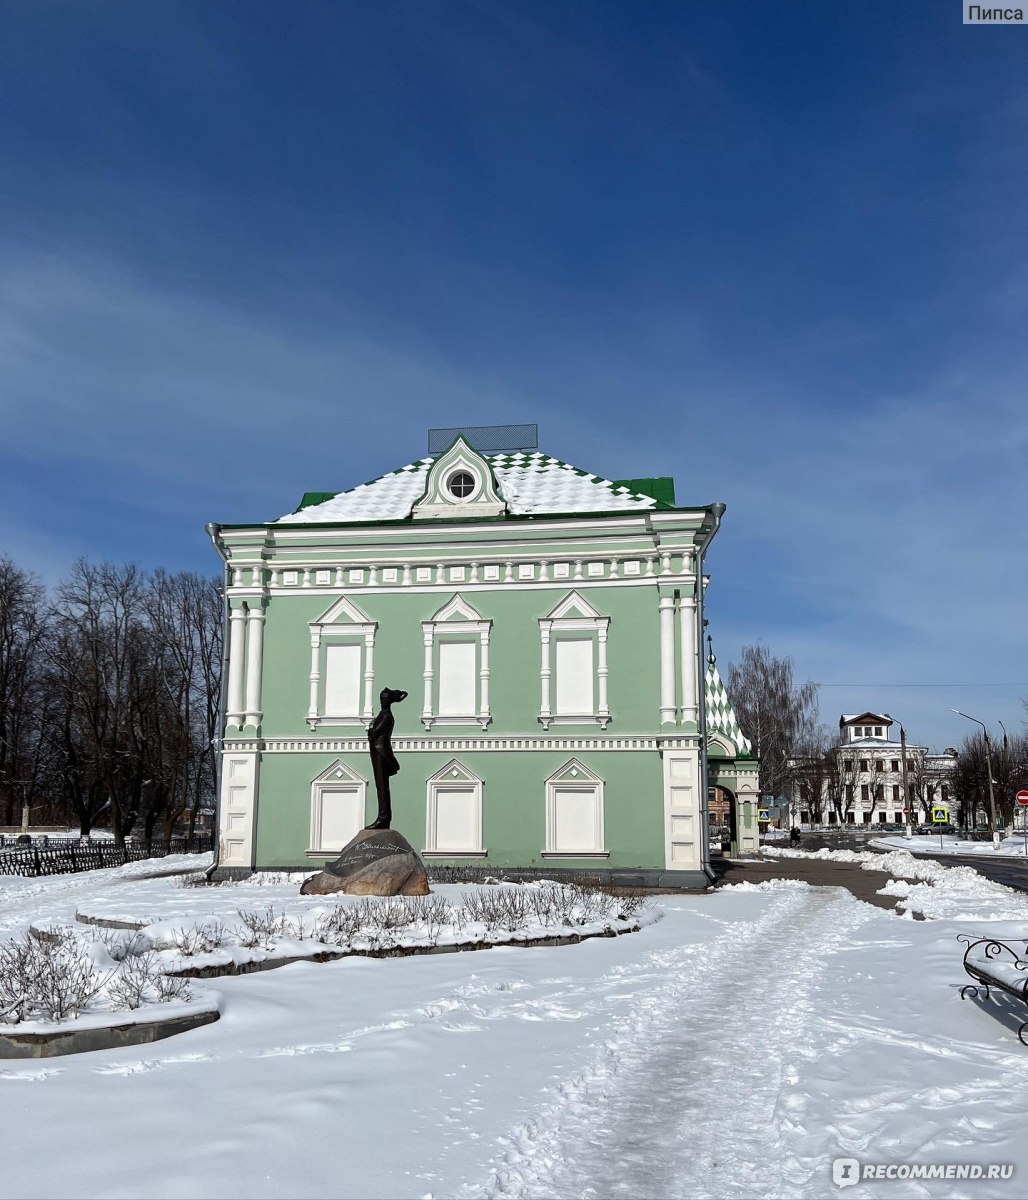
721, 718
529, 483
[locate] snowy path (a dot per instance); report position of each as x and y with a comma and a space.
690, 1098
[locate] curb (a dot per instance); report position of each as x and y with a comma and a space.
104, 1037
270, 964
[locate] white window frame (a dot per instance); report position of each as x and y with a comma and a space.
342, 623
454, 776
574, 776
573, 617
456, 621
337, 777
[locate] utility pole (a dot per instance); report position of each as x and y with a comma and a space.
988, 767
906, 794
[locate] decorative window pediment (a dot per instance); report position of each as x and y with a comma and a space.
574, 771
574, 813
342, 674
457, 609
338, 801
574, 605
339, 772
343, 612
454, 812
456, 672
573, 675
460, 484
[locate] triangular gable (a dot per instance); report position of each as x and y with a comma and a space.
339, 772
345, 612
574, 771
454, 772
574, 605
456, 609
866, 718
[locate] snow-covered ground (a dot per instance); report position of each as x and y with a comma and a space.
732, 1049
947, 843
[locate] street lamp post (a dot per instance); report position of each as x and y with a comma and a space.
906, 793
988, 767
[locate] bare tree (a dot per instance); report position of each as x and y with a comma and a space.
775, 713
22, 634
1009, 773
816, 773
870, 777
184, 614
100, 649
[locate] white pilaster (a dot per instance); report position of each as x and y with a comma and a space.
369, 675
238, 808
315, 675
428, 674
601, 674
236, 643
483, 680
683, 823
544, 669
667, 660
254, 663
690, 663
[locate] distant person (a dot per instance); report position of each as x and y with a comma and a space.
794, 836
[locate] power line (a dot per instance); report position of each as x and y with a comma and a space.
924, 685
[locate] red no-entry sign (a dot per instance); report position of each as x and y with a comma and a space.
1022, 798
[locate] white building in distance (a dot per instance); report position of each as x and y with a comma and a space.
859, 780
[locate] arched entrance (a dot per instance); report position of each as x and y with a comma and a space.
722, 816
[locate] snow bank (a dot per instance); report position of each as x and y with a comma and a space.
936, 891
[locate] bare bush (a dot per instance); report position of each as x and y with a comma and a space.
52, 978
167, 988
506, 908
128, 989
260, 928
141, 981
200, 939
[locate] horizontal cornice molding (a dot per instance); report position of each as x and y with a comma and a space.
634, 742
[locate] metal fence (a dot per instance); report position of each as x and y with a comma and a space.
67, 856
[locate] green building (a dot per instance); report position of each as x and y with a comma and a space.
546, 624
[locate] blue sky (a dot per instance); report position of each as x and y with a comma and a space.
777, 251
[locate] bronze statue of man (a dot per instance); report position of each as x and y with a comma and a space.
383, 760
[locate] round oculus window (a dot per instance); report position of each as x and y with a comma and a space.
461, 484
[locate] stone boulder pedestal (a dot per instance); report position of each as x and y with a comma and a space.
378, 862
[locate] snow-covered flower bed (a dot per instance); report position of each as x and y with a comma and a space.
55, 974
51, 975
215, 930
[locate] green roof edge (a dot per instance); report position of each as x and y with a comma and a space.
659, 487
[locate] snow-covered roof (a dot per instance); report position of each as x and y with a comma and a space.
873, 717
528, 483
721, 718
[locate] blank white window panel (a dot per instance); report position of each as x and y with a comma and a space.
342, 817
457, 679
456, 819
342, 680
576, 818
574, 675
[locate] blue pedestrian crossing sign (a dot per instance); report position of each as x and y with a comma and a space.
763, 814
940, 814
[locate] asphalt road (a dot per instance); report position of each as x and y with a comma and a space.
1012, 872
